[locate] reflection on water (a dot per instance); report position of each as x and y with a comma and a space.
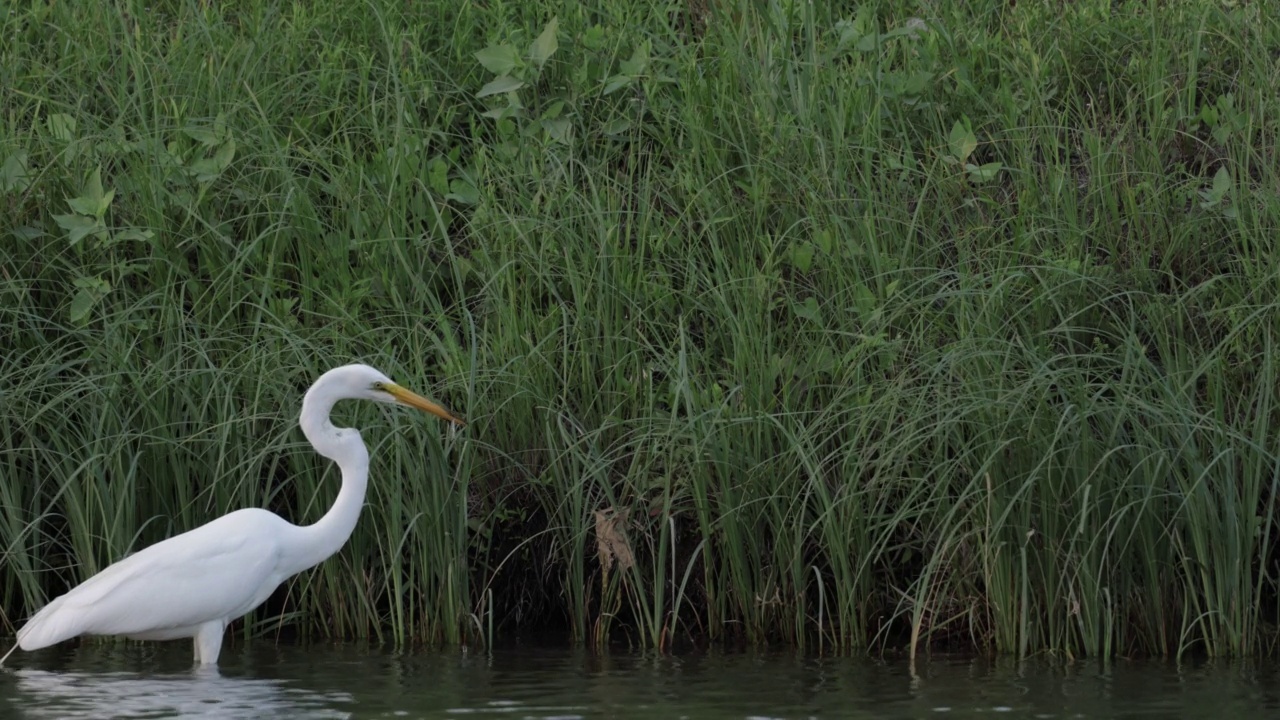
197, 694
281, 682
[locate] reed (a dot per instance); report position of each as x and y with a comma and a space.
845, 326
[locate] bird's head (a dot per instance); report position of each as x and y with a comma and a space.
362, 382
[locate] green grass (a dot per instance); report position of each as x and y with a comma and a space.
891, 324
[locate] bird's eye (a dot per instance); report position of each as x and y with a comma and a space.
380, 386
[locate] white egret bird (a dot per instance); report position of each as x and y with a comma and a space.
193, 584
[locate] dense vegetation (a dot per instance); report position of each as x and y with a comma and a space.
848, 325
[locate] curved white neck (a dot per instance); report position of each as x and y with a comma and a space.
324, 538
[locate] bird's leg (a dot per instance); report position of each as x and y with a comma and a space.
6, 655
208, 642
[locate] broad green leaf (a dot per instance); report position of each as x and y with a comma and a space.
864, 299
133, 234
845, 31
13, 172
617, 82
205, 170
501, 113
917, 83
824, 241
802, 256
204, 136
210, 168
617, 125
558, 129
963, 142
822, 359
553, 111
808, 310
984, 173
594, 37
93, 188
638, 62
93, 284
91, 290
499, 85
182, 198
499, 59
105, 203
26, 232
438, 176
82, 205
62, 127
545, 46
77, 226
1216, 192
463, 192
225, 154
906, 161
1222, 182
96, 207
81, 304
1209, 115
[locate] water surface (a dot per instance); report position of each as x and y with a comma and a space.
283, 682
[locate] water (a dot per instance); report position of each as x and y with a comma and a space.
265, 681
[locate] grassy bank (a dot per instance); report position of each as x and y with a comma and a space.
842, 325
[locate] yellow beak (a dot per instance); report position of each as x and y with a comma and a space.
414, 400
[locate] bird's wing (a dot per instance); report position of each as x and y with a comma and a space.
221, 569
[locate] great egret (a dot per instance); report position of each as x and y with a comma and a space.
193, 584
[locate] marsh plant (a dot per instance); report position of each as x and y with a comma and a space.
841, 325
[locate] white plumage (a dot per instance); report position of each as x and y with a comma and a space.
193, 584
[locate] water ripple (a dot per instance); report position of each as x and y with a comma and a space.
73, 695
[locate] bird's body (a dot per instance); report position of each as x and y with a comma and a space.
162, 591
192, 585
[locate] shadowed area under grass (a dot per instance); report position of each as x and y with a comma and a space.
843, 325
